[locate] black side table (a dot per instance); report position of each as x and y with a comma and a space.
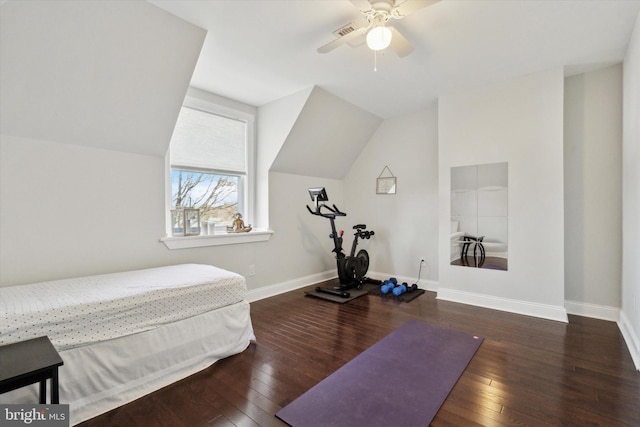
28, 362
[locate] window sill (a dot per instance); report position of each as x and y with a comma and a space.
216, 239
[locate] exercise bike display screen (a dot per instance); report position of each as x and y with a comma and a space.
318, 194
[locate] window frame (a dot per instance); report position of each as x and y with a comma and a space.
218, 105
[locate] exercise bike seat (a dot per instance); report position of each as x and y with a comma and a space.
359, 227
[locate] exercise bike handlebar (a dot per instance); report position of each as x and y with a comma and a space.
334, 211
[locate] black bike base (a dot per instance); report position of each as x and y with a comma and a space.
343, 290
353, 294
332, 291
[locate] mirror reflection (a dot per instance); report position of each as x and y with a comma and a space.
479, 216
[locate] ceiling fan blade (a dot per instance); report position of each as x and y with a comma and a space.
407, 7
399, 44
342, 40
361, 4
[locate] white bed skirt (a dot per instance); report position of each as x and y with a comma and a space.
99, 377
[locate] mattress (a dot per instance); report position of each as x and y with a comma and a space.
82, 311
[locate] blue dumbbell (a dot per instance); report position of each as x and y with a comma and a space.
387, 287
393, 280
399, 290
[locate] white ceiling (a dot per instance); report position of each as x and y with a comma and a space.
257, 51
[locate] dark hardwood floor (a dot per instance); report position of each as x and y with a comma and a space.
527, 372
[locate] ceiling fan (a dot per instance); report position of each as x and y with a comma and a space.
379, 34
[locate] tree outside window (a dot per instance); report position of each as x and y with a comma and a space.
215, 195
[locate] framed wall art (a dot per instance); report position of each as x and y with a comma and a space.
386, 184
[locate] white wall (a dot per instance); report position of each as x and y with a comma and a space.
327, 136
517, 121
405, 223
274, 123
630, 313
300, 246
68, 211
593, 192
309, 133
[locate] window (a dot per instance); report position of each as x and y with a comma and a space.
210, 167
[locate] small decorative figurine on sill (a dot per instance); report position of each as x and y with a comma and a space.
238, 225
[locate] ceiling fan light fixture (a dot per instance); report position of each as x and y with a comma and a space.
379, 37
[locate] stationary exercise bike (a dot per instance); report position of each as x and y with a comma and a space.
352, 268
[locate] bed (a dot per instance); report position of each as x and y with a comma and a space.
124, 335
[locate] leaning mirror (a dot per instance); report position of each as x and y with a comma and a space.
479, 216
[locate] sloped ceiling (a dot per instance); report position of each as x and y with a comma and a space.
258, 51
109, 74
326, 138
113, 74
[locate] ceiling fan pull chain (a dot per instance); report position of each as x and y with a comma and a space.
375, 60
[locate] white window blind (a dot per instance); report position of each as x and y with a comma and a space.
208, 141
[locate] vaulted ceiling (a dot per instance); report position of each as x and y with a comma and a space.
257, 51
113, 74
108, 75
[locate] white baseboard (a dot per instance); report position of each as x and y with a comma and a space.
280, 288
595, 311
545, 311
631, 338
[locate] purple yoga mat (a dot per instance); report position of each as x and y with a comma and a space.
402, 380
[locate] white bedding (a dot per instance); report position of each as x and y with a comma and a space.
86, 310
99, 377
124, 335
